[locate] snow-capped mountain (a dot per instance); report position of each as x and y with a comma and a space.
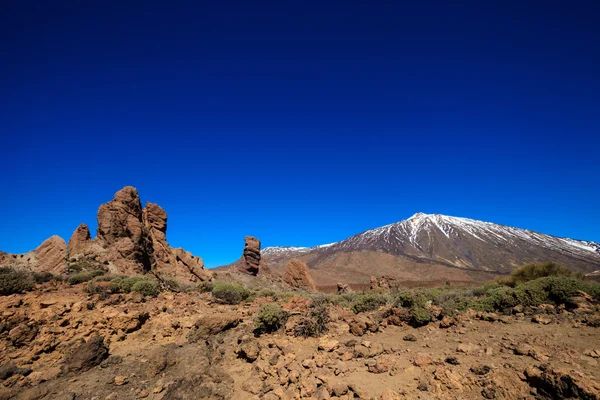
426, 245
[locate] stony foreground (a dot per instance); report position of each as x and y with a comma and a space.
60, 343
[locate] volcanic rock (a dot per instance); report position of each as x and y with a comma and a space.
121, 232
297, 275
80, 240
250, 262
51, 256
87, 355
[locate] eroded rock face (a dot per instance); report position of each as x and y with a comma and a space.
297, 275
80, 240
131, 240
51, 256
121, 231
251, 257
176, 263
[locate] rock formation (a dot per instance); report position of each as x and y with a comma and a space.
176, 263
343, 288
51, 256
130, 240
250, 262
80, 240
297, 275
121, 232
384, 282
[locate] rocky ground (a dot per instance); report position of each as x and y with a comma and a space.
57, 342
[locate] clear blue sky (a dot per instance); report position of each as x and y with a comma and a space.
298, 122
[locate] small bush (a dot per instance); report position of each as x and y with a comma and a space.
108, 278
316, 320
14, 281
43, 277
93, 288
530, 272
84, 276
266, 293
230, 293
419, 317
146, 287
368, 302
114, 287
270, 318
205, 287
171, 285
128, 283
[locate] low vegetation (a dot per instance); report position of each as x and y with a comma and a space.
369, 302
270, 318
230, 293
530, 272
14, 281
86, 276
316, 320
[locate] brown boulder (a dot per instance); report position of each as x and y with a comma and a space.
210, 325
80, 240
87, 355
297, 275
250, 262
51, 256
561, 384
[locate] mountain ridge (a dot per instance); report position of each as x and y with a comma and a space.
441, 242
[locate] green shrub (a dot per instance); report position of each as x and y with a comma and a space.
369, 302
101, 290
114, 287
266, 293
108, 278
419, 317
530, 272
127, 283
205, 287
270, 318
171, 285
43, 277
316, 320
14, 281
146, 287
230, 293
84, 276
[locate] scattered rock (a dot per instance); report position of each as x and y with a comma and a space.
410, 338
121, 380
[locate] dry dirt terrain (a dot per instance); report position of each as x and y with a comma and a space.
58, 342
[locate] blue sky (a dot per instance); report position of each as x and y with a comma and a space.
298, 122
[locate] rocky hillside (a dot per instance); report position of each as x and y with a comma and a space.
435, 247
130, 240
60, 342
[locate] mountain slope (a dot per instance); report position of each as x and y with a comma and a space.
434, 246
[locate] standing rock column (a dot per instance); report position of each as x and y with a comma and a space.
251, 257
121, 231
